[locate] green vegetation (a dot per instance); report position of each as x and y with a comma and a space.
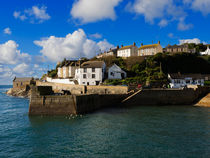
52, 73
153, 70
207, 83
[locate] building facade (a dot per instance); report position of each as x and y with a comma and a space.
90, 73
67, 69
22, 83
127, 51
179, 49
148, 50
115, 72
111, 52
207, 52
178, 80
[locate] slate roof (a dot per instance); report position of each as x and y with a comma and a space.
183, 76
92, 64
24, 79
149, 46
126, 47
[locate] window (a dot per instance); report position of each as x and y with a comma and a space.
93, 70
93, 76
84, 76
85, 69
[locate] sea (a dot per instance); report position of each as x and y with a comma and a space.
135, 132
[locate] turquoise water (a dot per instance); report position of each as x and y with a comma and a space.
167, 131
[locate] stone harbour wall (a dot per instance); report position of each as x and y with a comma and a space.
80, 89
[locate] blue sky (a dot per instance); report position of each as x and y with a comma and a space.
38, 33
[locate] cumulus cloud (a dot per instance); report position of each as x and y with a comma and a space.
35, 14
10, 54
165, 11
94, 10
72, 46
104, 45
194, 40
151, 9
7, 31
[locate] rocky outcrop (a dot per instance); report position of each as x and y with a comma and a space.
205, 102
19, 93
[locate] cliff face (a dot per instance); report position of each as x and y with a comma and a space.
205, 102
19, 93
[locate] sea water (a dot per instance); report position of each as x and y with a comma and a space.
141, 131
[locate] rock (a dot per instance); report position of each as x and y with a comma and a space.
19, 93
204, 102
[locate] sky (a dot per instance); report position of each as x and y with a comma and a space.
36, 34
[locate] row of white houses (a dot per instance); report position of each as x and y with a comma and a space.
88, 73
133, 50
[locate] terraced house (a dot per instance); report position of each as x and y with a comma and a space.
90, 73
179, 49
127, 51
148, 50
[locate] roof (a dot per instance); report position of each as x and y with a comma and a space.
70, 63
113, 50
183, 76
177, 46
24, 79
149, 46
126, 47
92, 64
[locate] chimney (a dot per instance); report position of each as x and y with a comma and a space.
158, 42
118, 47
179, 73
121, 46
141, 44
134, 44
110, 49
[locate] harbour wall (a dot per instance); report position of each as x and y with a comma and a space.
168, 96
43, 102
81, 89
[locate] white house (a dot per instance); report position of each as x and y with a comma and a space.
178, 80
115, 72
111, 52
90, 73
127, 51
67, 69
207, 52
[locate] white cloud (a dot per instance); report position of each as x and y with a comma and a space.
201, 5
10, 54
18, 15
34, 14
194, 40
96, 36
165, 11
163, 23
104, 45
72, 46
7, 31
182, 26
22, 68
151, 9
171, 35
94, 10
